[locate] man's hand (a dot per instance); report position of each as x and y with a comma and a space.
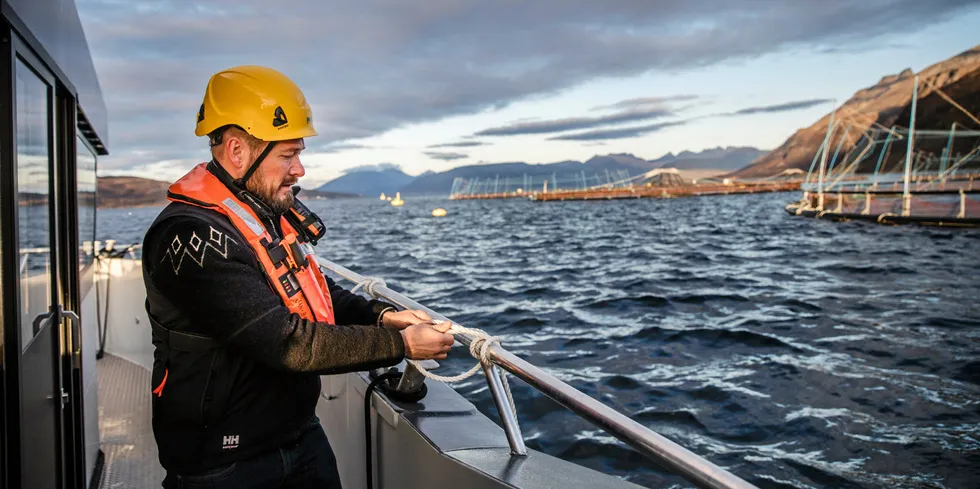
425, 341
404, 319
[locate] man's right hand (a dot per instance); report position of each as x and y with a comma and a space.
427, 341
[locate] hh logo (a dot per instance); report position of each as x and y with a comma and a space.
229, 442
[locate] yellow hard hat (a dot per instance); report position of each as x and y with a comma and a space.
262, 101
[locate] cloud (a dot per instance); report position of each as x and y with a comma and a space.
372, 66
436, 155
572, 123
621, 133
459, 144
785, 107
379, 167
646, 102
337, 148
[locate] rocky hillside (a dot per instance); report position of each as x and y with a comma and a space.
934, 112
886, 102
131, 192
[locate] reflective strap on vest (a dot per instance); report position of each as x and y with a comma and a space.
242, 214
203, 189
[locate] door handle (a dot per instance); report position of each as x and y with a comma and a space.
71, 314
40, 319
76, 335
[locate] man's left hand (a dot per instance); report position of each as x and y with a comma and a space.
404, 319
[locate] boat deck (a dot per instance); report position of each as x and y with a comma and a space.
124, 424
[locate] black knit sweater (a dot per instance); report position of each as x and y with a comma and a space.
261, 387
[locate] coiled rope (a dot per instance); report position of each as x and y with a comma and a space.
479, 347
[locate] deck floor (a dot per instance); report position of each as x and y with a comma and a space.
125, 426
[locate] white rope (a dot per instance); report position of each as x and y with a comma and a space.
369, 285
480, 349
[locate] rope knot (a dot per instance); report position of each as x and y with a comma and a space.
369, 284
479, 348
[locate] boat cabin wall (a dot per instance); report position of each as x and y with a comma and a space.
53, 30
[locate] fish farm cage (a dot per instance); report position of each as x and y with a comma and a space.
895, 175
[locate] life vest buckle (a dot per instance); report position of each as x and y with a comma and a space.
296, 259
286, 251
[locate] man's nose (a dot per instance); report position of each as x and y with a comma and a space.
297, 170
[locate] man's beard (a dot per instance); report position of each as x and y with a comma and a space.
266, 192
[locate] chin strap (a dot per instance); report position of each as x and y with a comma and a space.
255, 166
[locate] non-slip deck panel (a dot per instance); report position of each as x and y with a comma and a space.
124, 424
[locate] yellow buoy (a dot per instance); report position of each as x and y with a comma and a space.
383, 196
397, 201
438, 212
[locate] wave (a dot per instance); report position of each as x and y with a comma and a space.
704, 298
713, 338
626, 302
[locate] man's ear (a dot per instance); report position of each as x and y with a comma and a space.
236, 153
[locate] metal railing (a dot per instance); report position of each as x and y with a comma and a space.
661, 450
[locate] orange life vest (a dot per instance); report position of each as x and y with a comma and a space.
289, 264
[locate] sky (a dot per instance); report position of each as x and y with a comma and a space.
437, 84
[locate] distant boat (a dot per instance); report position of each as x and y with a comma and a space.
383, 196
397, 202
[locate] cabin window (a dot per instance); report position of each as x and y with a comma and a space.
33, 116
85, 161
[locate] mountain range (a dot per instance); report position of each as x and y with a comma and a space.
375, 181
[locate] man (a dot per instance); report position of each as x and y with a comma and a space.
243, 321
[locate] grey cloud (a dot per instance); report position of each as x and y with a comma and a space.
572, 123
646, 102
368, 67
621, 133
785, 107
376, 167
460, 144
437, 155
337, 148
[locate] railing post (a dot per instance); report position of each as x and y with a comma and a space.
508, 417
947, 153
823, 160
884, 150
906, 197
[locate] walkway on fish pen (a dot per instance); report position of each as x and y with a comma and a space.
658, 184
896, 175
950, 203
654, 192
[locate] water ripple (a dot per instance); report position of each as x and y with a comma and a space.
797, 353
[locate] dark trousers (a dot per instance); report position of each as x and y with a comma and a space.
310, 463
